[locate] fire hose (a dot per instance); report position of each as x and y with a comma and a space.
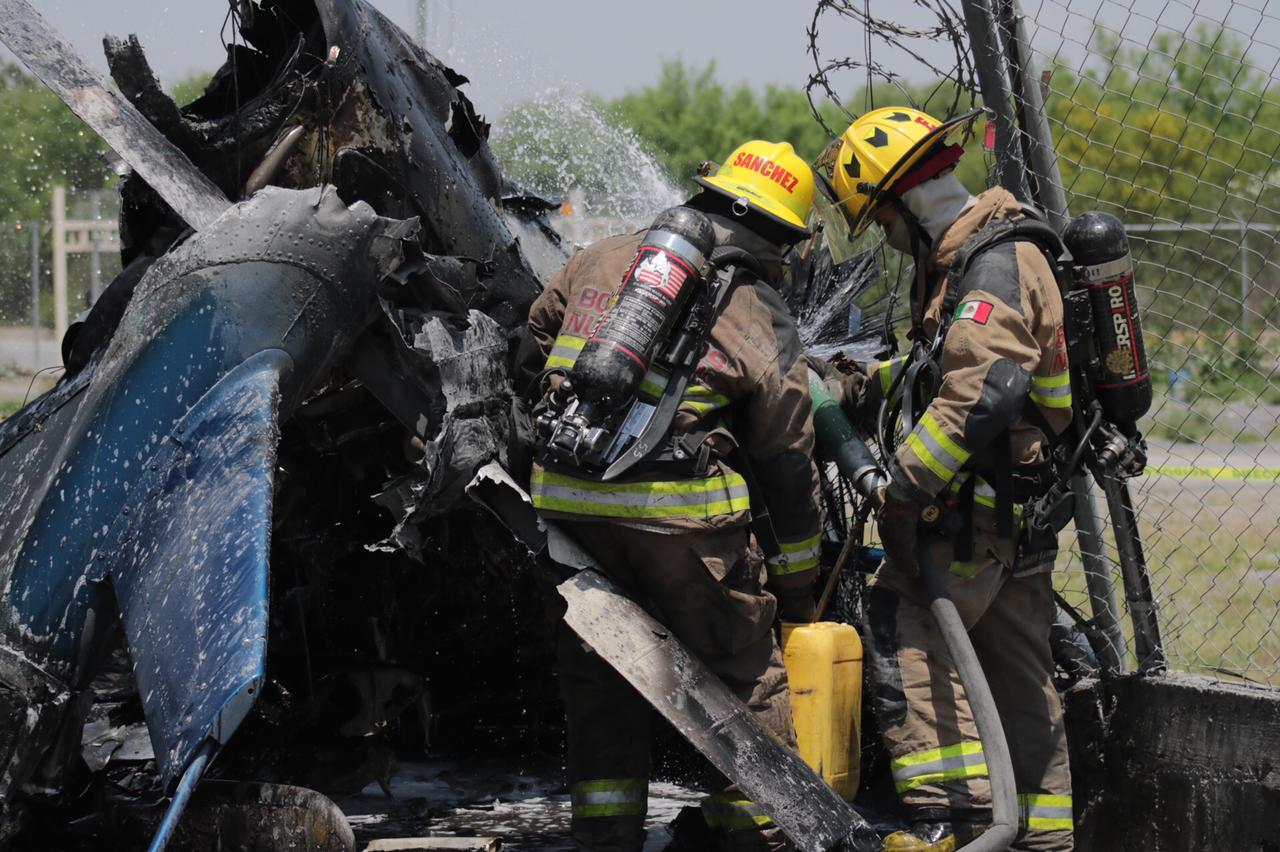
856, 462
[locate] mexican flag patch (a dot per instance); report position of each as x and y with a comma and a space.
977, 311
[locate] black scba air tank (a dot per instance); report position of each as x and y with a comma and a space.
666, 271
1118, 371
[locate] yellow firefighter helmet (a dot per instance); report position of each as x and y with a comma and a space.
891, 150
769, 178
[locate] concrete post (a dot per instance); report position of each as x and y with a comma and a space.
59, 263
95, 256
35, 294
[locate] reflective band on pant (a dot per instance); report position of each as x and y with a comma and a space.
938, 451
1052, 391
709, 497
796, 556
610, 797
565, 351
733, 814
963, 760
1037, 812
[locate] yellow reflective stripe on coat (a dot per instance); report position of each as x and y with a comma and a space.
935, 449
735, 814
1051, 391
983, 493
948, 763
565, 351
1038, 812
610, 797
796, 556
887, 371
708, 497
702, 400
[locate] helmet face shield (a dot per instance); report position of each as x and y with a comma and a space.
768, 178
882, 148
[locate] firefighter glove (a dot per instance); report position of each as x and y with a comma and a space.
898, 522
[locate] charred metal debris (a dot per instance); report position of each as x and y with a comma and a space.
284, 406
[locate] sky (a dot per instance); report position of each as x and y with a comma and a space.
513, 50
510, 49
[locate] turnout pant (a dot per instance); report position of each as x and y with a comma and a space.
936, 755
707, 588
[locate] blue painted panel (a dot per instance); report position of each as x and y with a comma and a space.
192, 577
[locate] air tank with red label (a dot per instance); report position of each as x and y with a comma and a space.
1118, 372
665, 272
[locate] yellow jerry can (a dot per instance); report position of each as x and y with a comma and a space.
824, 671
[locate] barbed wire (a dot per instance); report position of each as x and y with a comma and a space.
891, 36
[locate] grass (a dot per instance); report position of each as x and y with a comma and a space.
8, 407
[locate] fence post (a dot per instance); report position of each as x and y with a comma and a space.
59, 263
993, 79
1043, 162
95, 256
35, 294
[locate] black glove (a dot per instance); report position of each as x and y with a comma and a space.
796, 606
898, 522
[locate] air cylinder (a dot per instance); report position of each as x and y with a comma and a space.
665, 272
1118, 372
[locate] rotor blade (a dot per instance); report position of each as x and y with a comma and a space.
156, 160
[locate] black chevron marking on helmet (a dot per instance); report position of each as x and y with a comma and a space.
878, 139
853, 168
898, 116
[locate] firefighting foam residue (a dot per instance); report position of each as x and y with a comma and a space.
527, 809
562, 147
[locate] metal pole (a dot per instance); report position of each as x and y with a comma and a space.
1137, 581
59, 263
35, 293
1042, 157
1053, 198
1245, 282
95, 256
1114, 659
989, 61
186, 786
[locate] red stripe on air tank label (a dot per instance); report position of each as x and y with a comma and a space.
624, 350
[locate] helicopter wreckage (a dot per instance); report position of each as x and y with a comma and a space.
248, 524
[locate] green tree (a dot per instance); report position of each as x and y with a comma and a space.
43, 144
190, 87
689, 116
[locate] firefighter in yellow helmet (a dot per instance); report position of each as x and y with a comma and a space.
988, 323
676, 534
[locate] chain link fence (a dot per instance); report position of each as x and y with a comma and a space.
1165, 113
27, 344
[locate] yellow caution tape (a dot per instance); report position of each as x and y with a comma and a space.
1256, 474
